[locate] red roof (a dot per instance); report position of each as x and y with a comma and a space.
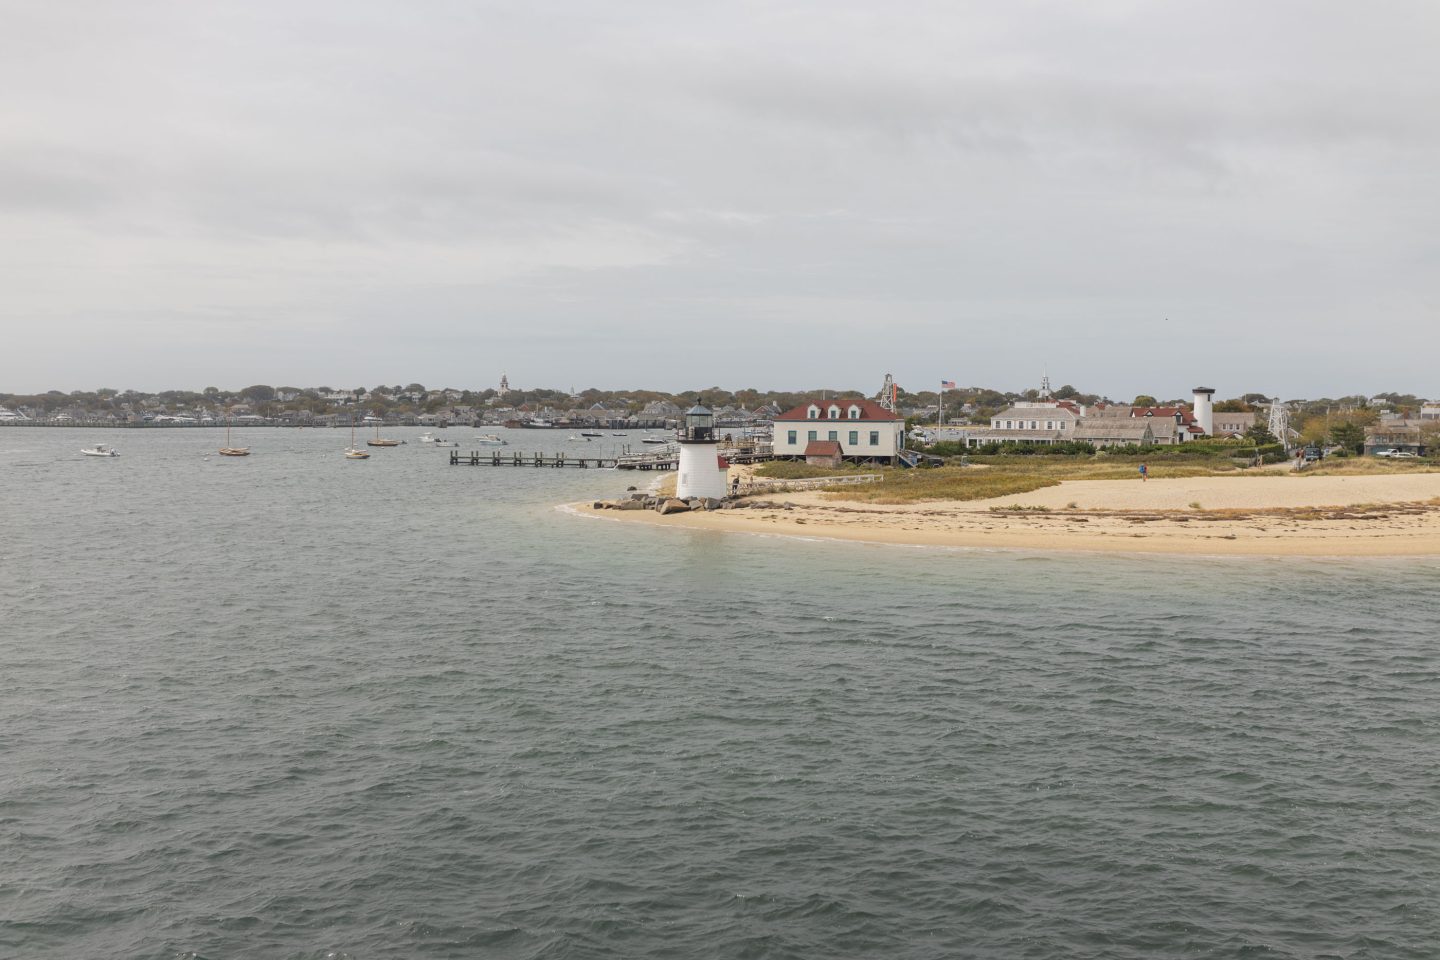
1185, 415
869, 410
822, 448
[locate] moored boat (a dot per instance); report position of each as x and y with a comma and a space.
229, 451
491, 440
353, 452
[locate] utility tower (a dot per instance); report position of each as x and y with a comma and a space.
887, 395
1279, 425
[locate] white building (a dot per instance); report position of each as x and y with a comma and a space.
865, 430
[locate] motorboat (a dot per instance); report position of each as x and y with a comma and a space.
491, 440
581, 437
619, 434
653, 440
590, 433
100, 450
428, 437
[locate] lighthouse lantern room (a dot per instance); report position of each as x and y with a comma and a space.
702, 472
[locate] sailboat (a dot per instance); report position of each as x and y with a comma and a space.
353, 452
229, 451
379, 441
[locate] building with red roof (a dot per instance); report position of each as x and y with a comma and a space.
864, 431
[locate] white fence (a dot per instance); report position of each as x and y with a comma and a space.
763, 485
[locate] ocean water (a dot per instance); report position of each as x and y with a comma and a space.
292, 706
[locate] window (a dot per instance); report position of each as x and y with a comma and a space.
874, 438
1033, 425
811, 435
854, 413
834, 435
813, 413
834, 413
790, 437
854, 438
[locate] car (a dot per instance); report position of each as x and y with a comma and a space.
1312, 454
1404, 454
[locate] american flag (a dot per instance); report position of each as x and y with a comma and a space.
947, 384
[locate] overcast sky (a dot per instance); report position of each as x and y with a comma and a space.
1134, 197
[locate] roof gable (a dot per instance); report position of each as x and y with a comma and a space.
869, 410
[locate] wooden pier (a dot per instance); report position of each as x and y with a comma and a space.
666, 459
497, 458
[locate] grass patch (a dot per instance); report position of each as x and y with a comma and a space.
1366, 467
798, 470
942, 483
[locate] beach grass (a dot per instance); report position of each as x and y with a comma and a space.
1006, 476
1367, 467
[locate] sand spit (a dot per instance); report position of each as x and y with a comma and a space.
1385, 515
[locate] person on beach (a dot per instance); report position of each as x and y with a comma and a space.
1144, 473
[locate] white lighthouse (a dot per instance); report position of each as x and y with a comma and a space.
701, 474
1205, 409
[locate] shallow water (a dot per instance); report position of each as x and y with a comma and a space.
294, 706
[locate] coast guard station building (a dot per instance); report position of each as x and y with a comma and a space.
865, 431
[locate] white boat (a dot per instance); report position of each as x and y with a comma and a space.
100, 450
653, 440
590, 433
619, 434
491, 440
353, 452
573, 437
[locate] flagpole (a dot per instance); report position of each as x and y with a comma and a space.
940, 417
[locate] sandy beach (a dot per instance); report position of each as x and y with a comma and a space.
1385, 515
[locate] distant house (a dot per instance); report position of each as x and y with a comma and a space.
1430, 410
1117, 432
659, 410
1043, 423
865, 431
1407, 436
1229, 424
1183, 425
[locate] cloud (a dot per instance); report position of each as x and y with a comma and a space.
1009, 184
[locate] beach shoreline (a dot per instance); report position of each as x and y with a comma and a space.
1348, 516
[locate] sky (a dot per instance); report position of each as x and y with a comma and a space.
1133, 197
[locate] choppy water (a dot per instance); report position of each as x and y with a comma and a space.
294, 706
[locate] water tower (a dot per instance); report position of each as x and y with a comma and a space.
701, 474
1205, 409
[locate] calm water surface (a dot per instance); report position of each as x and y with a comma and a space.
297, 707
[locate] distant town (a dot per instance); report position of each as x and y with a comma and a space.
972, 417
